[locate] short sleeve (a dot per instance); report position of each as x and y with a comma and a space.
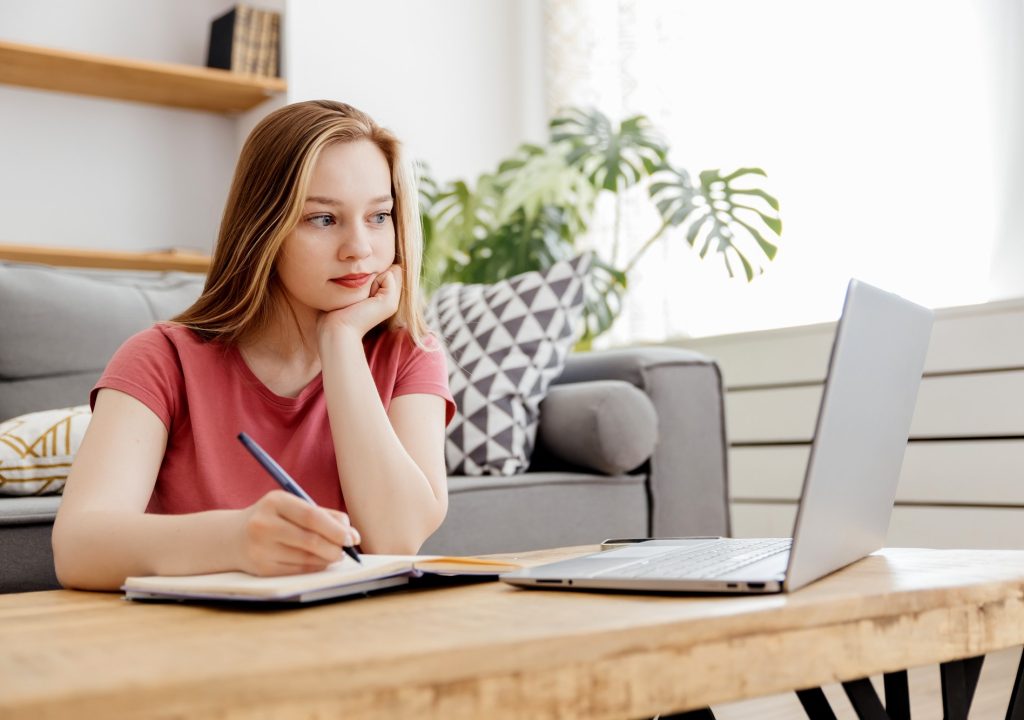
147, 368
425, 370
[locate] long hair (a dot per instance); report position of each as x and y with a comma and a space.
265, 204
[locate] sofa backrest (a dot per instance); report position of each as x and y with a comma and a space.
60, 326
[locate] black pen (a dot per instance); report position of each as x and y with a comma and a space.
285, 481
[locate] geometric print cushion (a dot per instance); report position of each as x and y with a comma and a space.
36, 450
505, 343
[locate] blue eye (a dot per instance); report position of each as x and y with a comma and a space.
381, 217
322, 220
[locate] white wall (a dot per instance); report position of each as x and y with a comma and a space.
458, 80
97, 173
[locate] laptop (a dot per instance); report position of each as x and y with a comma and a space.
849, 487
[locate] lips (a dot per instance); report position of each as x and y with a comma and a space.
356, 280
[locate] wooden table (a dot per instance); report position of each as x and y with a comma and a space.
493, 651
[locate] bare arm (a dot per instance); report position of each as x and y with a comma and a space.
391, 464
102, 533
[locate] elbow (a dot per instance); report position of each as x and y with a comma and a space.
67, 577
62, 549
65, 564
433, 523
72, 576
409, 542
71, 563
436, 519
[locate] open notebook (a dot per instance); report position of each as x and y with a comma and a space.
346, 577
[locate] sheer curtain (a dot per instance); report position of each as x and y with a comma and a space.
875, 121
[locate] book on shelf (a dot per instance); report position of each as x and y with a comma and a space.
229, 39
273, 67
246, 39
343, 578
259, 42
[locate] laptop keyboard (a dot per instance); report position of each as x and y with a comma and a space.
717, 558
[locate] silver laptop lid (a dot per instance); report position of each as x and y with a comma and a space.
863, 424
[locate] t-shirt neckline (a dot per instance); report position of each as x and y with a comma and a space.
311, 388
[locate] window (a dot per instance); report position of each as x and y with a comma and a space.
880, 125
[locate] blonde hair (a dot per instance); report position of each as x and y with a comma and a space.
265, 204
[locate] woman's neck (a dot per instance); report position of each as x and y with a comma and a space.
284, 356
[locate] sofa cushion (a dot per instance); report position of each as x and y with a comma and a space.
26, 556
36, 450
538, 510
60, 326
28, 510
605, 425
505, 343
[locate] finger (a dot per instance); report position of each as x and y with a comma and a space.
354, 538
382, 282
395, 274
331, 524
339, 517
293, 563
309, 543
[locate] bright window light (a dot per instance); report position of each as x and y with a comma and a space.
875, 123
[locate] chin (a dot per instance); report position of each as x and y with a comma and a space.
342, 303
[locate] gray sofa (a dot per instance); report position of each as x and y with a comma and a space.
631, 442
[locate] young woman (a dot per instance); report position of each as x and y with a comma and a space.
309, 337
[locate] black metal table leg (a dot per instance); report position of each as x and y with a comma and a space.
865, 700
815, 704
702, 714
897, 695
1015, 710
972, 668
959, 681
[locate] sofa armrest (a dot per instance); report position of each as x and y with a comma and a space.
605, 426
688, 485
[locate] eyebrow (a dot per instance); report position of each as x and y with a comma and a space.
321, 200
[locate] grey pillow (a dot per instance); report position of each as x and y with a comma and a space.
604, 425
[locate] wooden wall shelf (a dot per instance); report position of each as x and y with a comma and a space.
183, 260
181, 86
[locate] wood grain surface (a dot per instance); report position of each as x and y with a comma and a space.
175, 85
181, 260
491, 650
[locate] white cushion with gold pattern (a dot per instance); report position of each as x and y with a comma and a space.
36, 450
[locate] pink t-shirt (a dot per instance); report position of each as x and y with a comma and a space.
206, 394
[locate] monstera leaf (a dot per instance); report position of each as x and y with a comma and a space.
611, 158
529, 213
537, 178
525, 216
516, 246
461, 216
434, 258
724, 213
603, 291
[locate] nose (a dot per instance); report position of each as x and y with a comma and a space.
355, 245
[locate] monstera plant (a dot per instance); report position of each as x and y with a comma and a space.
533, 209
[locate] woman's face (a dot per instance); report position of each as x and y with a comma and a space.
346, 235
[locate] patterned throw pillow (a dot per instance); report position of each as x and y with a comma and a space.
505, 343
36, 450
